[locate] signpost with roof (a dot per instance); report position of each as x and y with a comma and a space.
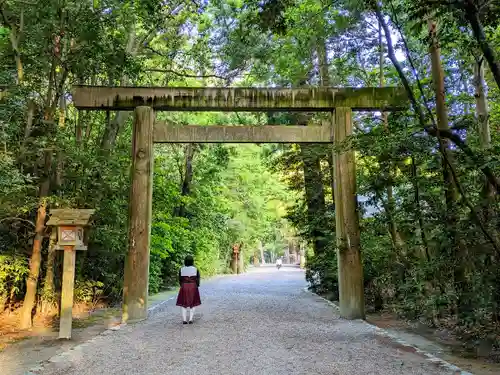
70, 224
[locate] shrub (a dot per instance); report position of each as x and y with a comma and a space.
13, 272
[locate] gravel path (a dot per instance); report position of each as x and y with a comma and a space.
260, 323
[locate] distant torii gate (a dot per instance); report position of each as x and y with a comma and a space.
144, 101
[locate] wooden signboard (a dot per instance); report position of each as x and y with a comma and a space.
70, 224
67, 235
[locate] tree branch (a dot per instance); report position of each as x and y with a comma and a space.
467, 151
18, 219
180, 74
471, 13
399, 69
431, 130
410, 60
156, 52
469, 205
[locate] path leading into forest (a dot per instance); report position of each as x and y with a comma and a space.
262, 322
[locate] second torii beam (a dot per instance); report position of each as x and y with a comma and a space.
165, 133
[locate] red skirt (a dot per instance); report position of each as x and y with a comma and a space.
189, 295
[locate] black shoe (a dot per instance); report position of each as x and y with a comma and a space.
184, 322
190, 322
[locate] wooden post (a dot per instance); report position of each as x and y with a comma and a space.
350, 268
241, 262
302, 254
261, 248
70, 225
235, 259
68, 283
234, 263
135, 287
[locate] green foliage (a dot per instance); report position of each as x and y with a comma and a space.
14, 187
416, 262
13, 271
228, 204
84, 157
88, 291
321, 274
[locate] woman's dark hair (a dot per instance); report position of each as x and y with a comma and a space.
188, 261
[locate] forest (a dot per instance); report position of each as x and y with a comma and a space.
427, 177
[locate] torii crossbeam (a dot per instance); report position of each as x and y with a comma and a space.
239, 99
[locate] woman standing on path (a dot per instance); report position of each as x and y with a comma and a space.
189, 295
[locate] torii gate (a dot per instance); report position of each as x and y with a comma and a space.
144, 101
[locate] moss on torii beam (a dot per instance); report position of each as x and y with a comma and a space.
313, 99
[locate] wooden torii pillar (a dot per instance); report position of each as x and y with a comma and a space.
145, 100
136, 275
350, 267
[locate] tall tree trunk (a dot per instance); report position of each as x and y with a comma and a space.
62, 111
79, 125
302, 255
234, 263
389, 206
323, 63
325, 81
3, 301
482, 115
36, 255
116, 124
458, 248
471, 13
313, 186
55, 91
88, 130
58, 175
418, 210
188, 178
29, 119
112, 130
79, 128
241, 260
15, 37
48, 300
441, 112
315, 195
